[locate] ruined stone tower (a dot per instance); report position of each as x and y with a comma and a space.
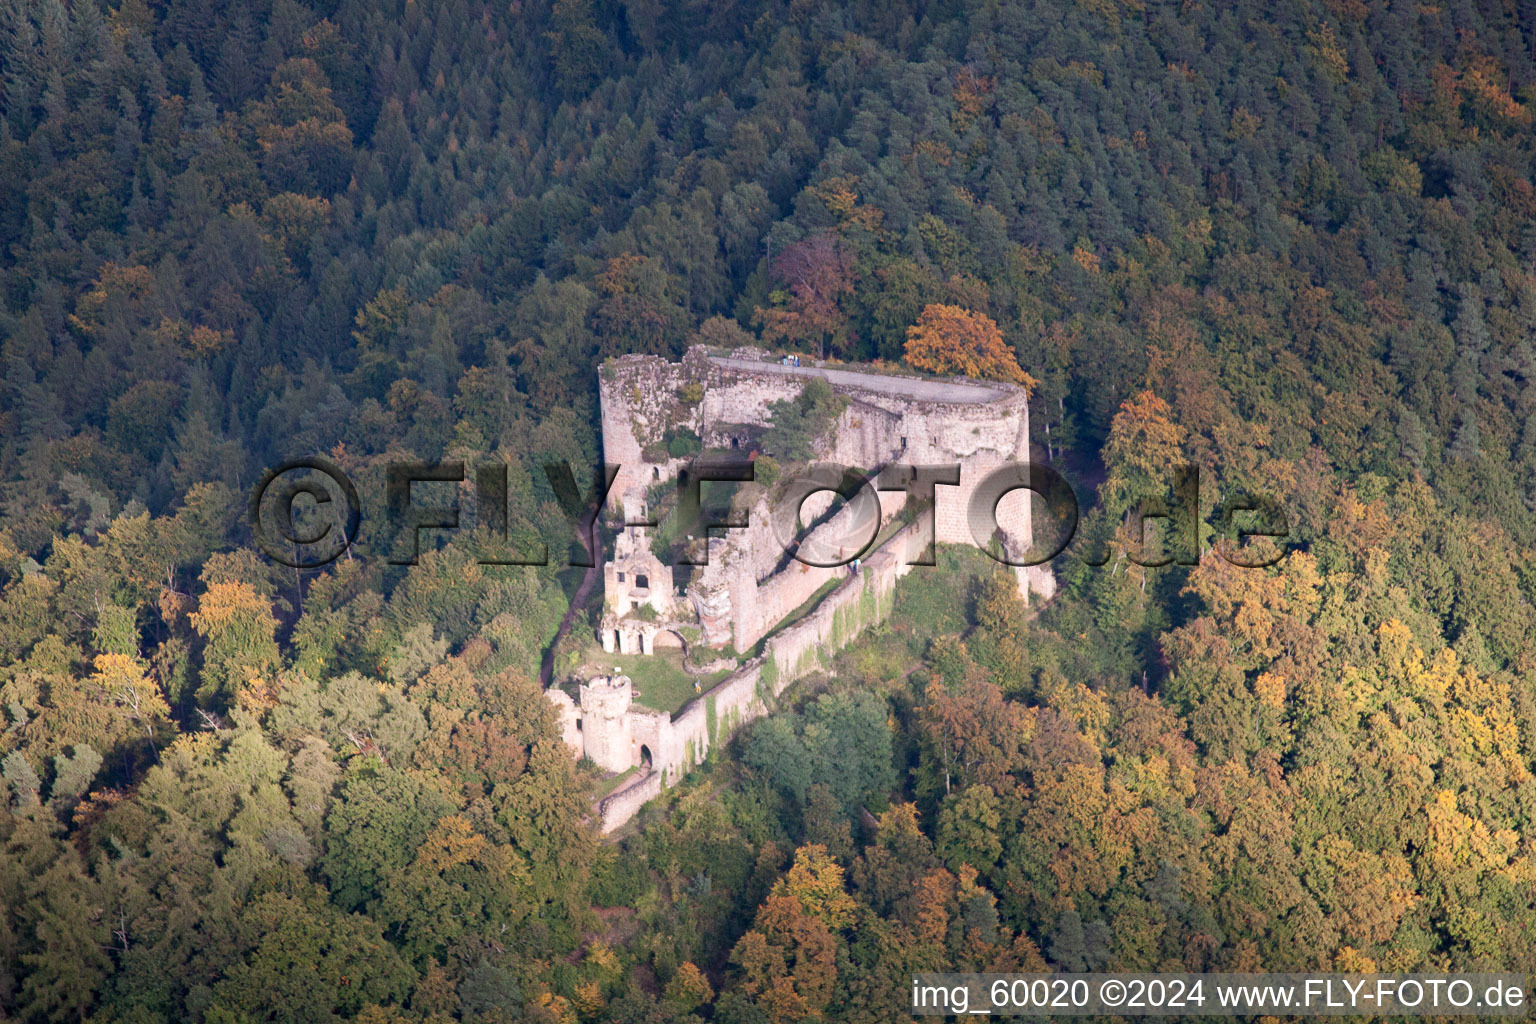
605, 722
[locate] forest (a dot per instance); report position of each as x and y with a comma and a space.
1291, 244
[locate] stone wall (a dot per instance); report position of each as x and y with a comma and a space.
624, 803
747, 588
889, 415
676, 744
570, 719
763, 583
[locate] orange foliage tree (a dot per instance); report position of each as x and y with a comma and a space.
952, 340
815, 274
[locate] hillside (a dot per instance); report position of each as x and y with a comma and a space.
1292, 245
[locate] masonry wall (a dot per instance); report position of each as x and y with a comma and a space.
765, 584
622, 804
682, 742
780, 595
744, 592
641, 397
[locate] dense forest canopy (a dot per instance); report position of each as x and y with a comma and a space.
1292, 244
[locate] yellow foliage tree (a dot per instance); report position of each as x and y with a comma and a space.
117, 703
689, 988
788, 961
241, 655
952, 340
816, 881
134, 694
1142, 451
587, 997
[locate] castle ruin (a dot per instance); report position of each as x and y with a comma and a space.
749, 584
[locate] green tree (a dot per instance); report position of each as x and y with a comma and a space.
800, 424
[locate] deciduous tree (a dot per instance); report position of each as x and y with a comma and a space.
953, 341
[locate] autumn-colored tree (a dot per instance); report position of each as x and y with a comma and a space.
689, 988
459, 881
116, 707
788, 961
954, 341
888, 869
639, 310
815, 274
305, 141
127, 688
972, 736
241, 655
235, 233
1142, 452
815, 881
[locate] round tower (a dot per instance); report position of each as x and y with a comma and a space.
605, 722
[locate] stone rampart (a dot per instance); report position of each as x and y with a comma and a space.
749, 587
668, 747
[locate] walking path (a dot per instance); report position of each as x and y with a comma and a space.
591, 578
904, 387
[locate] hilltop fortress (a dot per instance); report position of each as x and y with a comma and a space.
750, 584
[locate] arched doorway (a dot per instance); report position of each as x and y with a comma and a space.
670, 638
646, 763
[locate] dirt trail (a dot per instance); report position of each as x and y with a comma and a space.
589, 579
